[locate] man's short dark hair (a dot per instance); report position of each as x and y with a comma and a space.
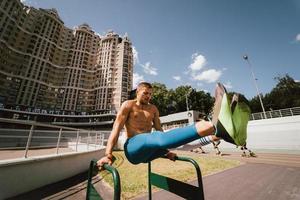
144, 84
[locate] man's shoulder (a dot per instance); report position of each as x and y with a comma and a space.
132, 101
153, 106
129, 103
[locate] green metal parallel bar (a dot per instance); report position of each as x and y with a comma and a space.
182, 189
198, 171
117, 182
92, 193
149, 181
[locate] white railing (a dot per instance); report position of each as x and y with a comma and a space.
276, 113
29, 135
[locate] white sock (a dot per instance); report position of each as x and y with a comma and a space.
205, 140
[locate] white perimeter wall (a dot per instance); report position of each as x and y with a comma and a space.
278, 133
22, 175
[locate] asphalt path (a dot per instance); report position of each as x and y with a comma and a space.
268, 176
248, 181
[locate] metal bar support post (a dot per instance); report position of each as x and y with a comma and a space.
58, 141
28, 140
77, 140
88, 140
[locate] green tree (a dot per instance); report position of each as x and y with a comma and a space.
255, 105
160, 98
179, 96
285, 94
174, 100
201, 101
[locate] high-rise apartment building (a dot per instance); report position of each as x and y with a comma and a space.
45, 65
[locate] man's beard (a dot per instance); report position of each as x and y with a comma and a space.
144, 102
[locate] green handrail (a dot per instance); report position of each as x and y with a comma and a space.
92, 193
182, 189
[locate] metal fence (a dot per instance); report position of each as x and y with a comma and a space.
30, 135
276, 113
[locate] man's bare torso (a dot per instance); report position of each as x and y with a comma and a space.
140, 118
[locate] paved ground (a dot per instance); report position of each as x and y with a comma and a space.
268, 176
249, 181
264, 157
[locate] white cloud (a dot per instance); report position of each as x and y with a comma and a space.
297, 81
298, 37
148, 69
224, 68
177, 78
137, 79
198, 62
199, 84
135, 56
197, 73
208, 76
29, 3
228, 85
26, 2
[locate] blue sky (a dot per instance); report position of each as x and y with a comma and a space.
198, 42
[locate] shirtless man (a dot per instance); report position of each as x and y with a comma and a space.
139, 117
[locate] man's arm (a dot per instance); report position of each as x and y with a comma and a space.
113, 138
156, 120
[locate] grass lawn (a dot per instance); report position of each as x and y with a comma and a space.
134, 180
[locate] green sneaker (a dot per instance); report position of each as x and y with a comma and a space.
230, 120
222, 115
240, 117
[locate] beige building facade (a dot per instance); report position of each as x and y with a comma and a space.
46, 65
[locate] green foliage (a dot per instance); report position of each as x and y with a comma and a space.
286, 94
173, 101
160, 97
201, 101
255, 105
179, 96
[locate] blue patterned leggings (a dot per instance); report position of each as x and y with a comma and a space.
145, 147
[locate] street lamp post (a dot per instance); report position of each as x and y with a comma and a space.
187, 102
186, 99
255, 83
